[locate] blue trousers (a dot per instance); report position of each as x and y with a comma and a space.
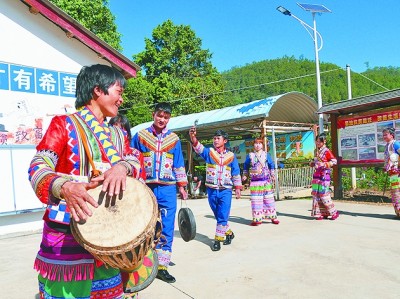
220, 203
166, 199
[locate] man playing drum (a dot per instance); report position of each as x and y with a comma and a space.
165, 169
60, 176
223, 174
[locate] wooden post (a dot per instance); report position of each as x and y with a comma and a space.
337, 170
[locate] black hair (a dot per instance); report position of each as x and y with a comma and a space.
123, 121
321, 137
221, 133
390, 130
163, 107
97, 75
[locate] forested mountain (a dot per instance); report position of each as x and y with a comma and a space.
272, 77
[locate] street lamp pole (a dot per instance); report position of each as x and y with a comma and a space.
314, 35
319, 92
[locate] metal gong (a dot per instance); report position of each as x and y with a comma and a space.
187, 224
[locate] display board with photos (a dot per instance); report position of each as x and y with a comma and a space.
361, 139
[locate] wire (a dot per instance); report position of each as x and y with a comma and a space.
240, 89
387, 89
257, 86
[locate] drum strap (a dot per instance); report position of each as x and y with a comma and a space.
82, 134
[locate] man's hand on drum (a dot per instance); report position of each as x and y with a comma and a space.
183, 193
76, 197
113, 180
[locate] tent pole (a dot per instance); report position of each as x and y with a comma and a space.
190, 166
276, 164
264, 134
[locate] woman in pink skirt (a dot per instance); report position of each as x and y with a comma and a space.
260, 168
322, 206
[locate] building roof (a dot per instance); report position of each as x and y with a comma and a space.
73, 29
369, 102
288, 112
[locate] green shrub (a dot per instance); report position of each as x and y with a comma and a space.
371, 178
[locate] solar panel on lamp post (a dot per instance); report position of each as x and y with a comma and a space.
312, 30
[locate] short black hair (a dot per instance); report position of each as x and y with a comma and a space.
123, 121
321, 137
164, 107
90, 77
221, 133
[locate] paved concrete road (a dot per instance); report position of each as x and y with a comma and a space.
356, 256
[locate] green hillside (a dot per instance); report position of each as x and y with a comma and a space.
272, 77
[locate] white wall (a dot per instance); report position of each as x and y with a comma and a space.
32, 41
17, 194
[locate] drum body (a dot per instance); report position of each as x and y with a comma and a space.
122, 230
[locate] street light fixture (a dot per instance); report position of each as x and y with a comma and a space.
313, 8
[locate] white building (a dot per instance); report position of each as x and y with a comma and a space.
42, 50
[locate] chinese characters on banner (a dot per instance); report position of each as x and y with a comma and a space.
30, 98
361, 139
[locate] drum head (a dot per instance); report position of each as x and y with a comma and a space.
119, 219
187, 224
142, 276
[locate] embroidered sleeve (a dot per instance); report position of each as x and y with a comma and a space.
270, 163
42, 170
138, 165
179, 166
198, 148
236, 179
330, 159
246, 165
202, 150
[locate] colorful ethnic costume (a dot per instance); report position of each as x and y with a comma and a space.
259, 167
66, 269
322, 205
392, 152
222, 174
165, 169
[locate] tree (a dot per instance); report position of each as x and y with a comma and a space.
137, 96
96, 16
179, 70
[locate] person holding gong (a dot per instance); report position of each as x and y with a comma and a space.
222, 175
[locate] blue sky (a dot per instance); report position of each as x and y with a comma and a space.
357, 32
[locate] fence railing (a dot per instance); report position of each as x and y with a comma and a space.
294, 179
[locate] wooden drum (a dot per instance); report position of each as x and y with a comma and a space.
122, 230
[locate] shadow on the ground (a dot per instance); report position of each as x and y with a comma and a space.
235, 219
381, 216
199, 238
367, 196
295, 216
